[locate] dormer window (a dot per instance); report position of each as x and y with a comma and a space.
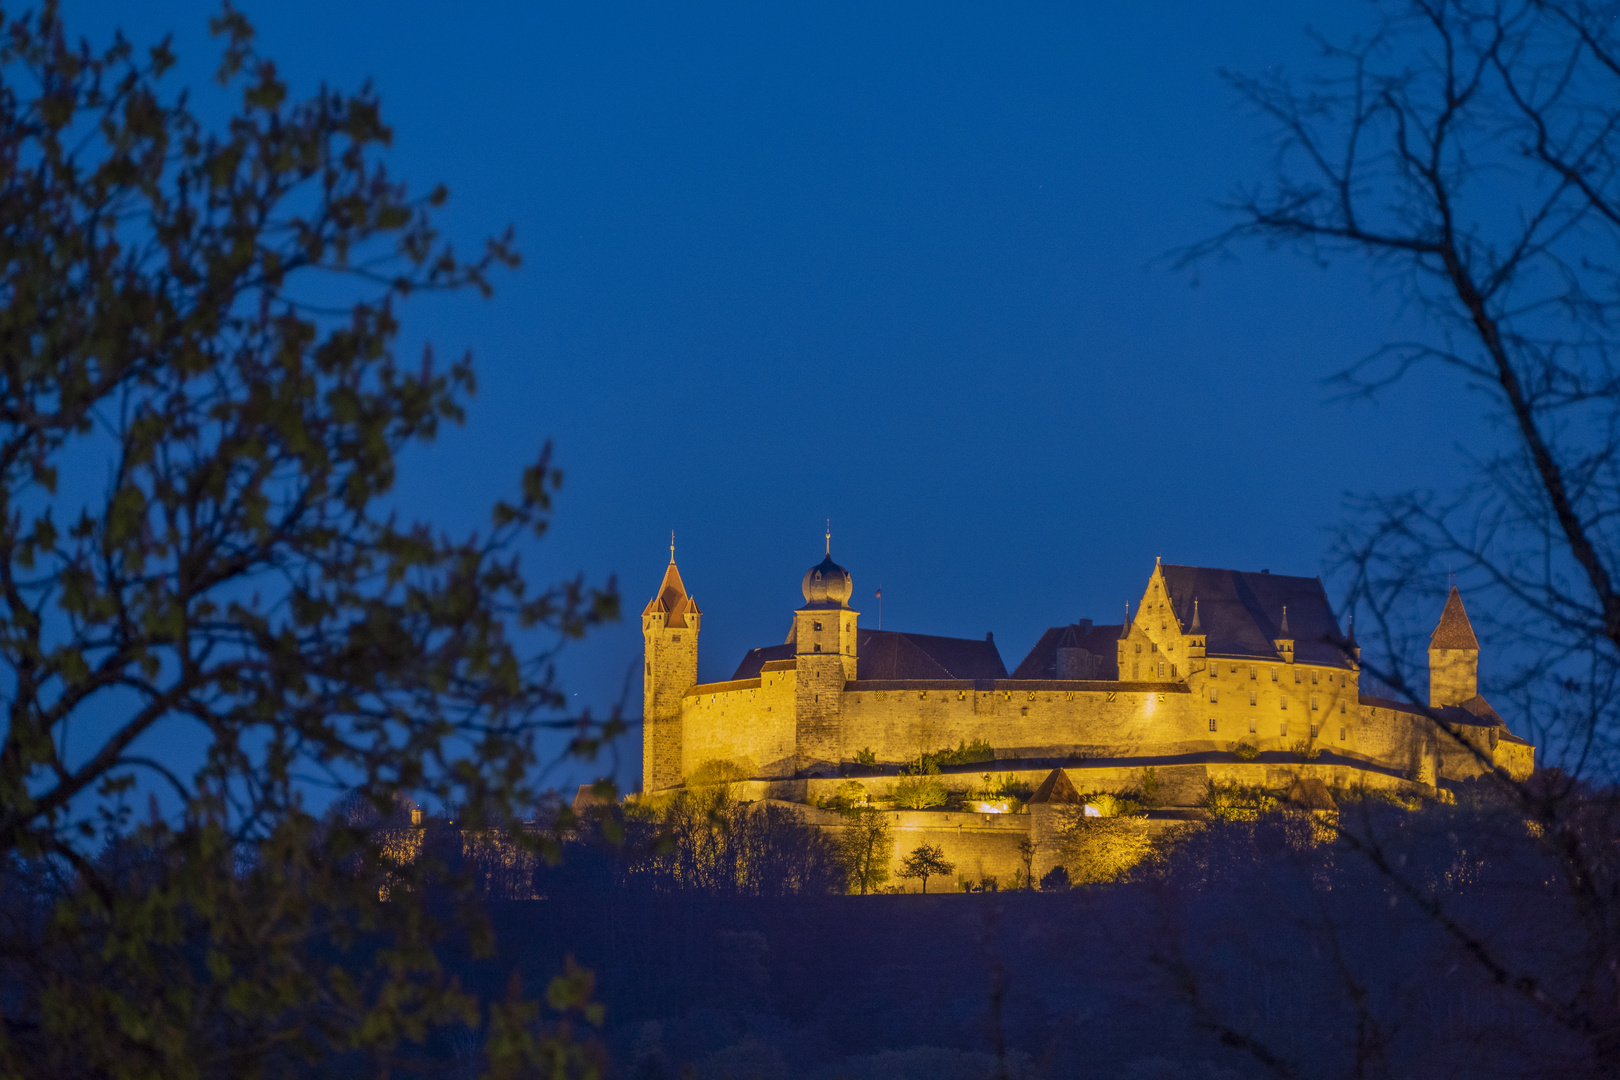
818, 626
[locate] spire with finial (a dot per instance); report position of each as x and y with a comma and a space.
1284, 628
829, 538
1197, 627
1125, 631
672, 547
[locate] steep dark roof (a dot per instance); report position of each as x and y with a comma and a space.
1241, 613
1100, 641
1056, 788
889, 654
1454, 631
755, 659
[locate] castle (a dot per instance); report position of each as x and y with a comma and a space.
1221, 675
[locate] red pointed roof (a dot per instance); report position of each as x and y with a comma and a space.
672, 599
1454, 630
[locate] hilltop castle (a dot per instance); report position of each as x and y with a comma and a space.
1222, 675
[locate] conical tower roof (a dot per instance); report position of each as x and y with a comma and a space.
672, 599
1454, 630
1056, 788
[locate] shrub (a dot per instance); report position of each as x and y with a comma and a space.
865, 756
1097, 850
851, 793
1056, 880
966, 753
1109, 806
1305, 750
1246, 751
1235, 802
920, 792
1152, 795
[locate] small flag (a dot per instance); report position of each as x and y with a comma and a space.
880, 594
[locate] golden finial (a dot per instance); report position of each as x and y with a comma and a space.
829, 538
672, 547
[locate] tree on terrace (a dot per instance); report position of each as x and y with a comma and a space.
926, 861
195, 433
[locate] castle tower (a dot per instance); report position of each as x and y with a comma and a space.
669, 632
824, 648
1453, 656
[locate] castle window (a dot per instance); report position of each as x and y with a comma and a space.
1153, 646
1313, 678
1135, 670
1282, 730
1283, 702
1313, 703
818, 646
1161, 669
1214, 671
1296, 676
817, 625
1254, 698
1138, 646
1341, 734
1341, 707
1251, 726
677, 637
1212, 723
1214, 695
1172, 671
1273, 674
1313, 731
1254, 672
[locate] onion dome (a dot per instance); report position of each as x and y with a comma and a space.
827, 585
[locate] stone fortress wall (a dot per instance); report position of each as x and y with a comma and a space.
1202, 668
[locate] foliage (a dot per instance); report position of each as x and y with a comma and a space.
1055, 880
707, 842
1026, 852
1245, 751
920, 792
850, 794
966, 753
201, 413
925, 861
1305, 750
1237, 802
866, 756
1100, 850
866, 845
1150, 788
715, 772
1110, 806
1007, 787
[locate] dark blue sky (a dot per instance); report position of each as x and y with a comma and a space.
892, 265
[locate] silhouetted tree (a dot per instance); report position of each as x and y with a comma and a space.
866, 845
926, 861
1470, 151
200, 409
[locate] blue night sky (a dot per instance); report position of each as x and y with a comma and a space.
893, 265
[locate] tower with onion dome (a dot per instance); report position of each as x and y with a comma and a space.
824, 650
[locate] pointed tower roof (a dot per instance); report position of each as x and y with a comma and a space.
1196, 627
1350, 633
1125, 630
1056, 788
1283, 629
672, 599
1454, 631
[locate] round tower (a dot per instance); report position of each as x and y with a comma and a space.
824, 632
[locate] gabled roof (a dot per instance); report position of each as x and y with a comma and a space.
672, 600
1056, 788
1454, 631
1101, 641
1241, 613
888, 654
